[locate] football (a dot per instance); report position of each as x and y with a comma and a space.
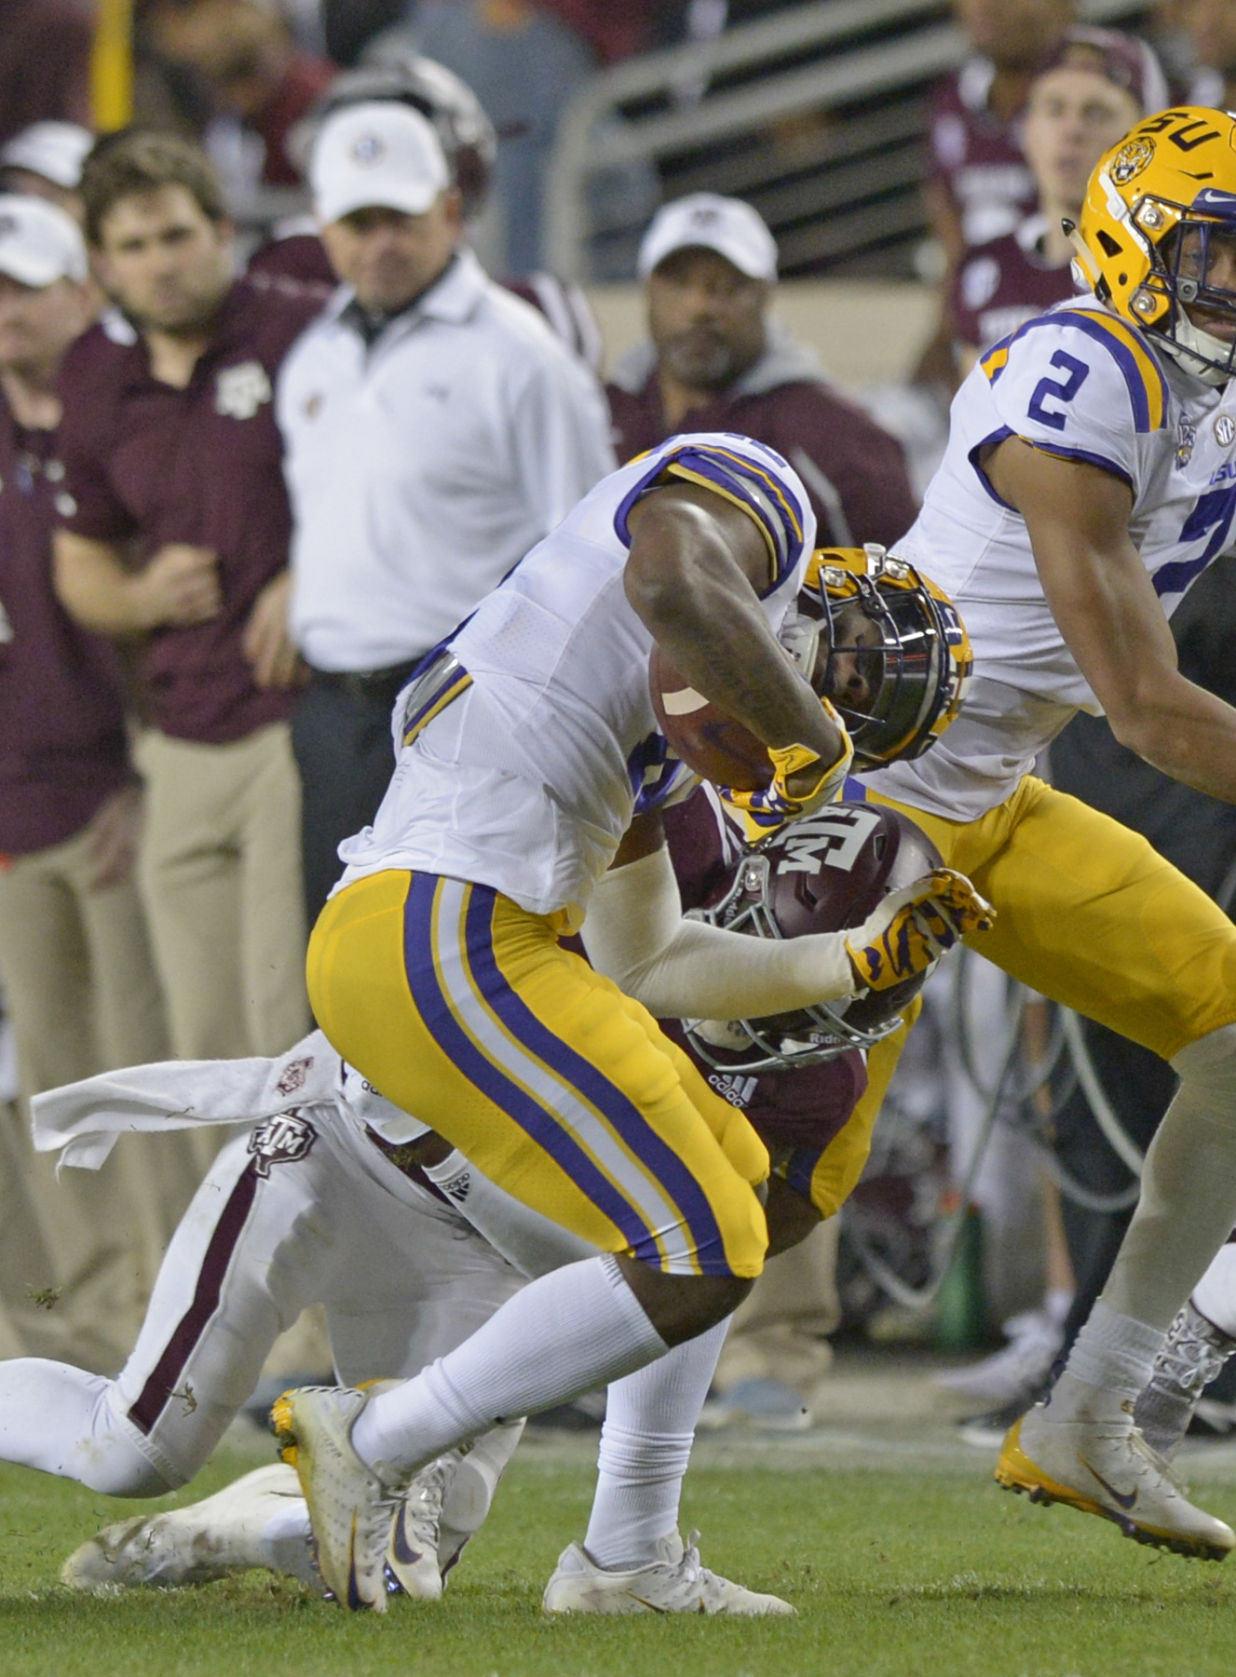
707, 740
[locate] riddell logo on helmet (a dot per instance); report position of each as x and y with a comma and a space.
1130, 160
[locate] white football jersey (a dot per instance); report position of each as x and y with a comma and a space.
527, 778
1080, 383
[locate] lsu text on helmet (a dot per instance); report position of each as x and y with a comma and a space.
466, 134
824, 874
885, 644
1158, 234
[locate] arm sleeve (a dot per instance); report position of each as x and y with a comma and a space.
636, 935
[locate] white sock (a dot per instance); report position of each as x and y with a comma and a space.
646, 1443
1113, 1353
1215, 1294
580, 1327
1187, 1207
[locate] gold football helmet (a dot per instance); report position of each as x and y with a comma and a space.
907, 663
1160, 208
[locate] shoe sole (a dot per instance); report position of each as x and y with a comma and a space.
1016, 1472
283, 1420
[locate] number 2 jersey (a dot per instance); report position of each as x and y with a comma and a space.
523, 766
1080, 383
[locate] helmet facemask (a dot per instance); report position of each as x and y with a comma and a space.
1181, 268
880, 644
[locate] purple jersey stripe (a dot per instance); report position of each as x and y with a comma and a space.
539, 1125
164, 1378
623, 1116
732, 473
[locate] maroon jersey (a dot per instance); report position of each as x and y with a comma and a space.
802, 1109
854, 472
149, 464
62, 734
976, 158
1002, 284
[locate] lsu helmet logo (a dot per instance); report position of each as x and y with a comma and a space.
1131, 159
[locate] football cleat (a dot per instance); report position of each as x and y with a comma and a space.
351, 1510
207, 1540
412, 1558
1193, 1355
677, 1583
1106, 1467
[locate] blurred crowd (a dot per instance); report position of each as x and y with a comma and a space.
246, 483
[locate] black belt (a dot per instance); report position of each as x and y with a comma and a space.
370, 686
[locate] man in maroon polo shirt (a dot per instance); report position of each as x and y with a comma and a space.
79, 982
174, 530
716, 363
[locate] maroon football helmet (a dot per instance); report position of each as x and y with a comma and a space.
825, 874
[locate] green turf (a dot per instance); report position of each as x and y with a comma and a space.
896, 1571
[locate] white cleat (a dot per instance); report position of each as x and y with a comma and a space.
352, 1511
675, 1584
1194, 1353
208, 1539
1105, 1467
412, 1558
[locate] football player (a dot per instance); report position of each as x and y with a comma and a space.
528, 765
1090, 477
306, 1206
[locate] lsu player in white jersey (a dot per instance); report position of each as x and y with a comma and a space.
528, 764
1090, 477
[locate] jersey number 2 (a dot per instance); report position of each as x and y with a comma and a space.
1058, 390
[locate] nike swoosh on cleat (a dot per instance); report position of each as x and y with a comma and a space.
400, 1547
1125, 1499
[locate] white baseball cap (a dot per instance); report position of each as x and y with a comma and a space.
39, 243
376, 154
55, 150
727, 225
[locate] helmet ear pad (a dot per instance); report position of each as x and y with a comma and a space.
823, 874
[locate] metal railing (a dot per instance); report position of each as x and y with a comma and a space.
817, 115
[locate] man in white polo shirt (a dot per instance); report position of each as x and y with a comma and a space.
435, 430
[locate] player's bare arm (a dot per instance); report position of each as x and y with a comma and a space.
97, 587
1104, 602
695, 566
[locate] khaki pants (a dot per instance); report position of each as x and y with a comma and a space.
78, 1257
220, 876
778, 1330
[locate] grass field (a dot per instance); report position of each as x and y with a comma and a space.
902, 1557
